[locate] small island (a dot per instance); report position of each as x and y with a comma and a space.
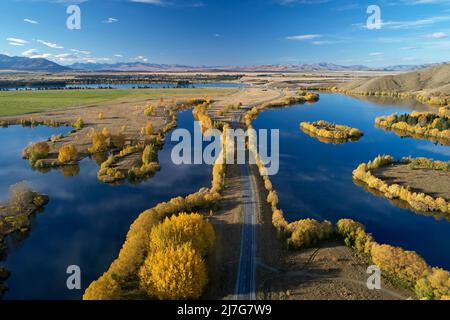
327, 132
15, 218
423, 183
419, 125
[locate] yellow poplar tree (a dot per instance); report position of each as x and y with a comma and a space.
174, 273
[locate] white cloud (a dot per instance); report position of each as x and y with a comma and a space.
324, 42
376, 54
50, 45
16, 41
65, 58
411, 24
437, 35
304, 37
30, 21
111, 20
171, 3
141, 58
118, 55
161, 3
84, 52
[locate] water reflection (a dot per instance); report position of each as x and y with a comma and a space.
315, 179
86, 221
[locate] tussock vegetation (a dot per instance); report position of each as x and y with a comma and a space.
229, 108
418, 125
331, 131
406, 268
417, 200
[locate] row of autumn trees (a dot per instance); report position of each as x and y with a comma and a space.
433, 99
425, 124
165, 250
406, 268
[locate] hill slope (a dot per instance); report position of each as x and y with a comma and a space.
430, 81
29, 64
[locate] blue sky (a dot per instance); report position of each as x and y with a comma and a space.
228, 32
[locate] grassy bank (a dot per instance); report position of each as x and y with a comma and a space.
23, 102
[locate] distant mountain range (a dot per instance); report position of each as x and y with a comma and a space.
39, 64
27, 64
137, 66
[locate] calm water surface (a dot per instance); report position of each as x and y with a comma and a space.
315, 179
86, 221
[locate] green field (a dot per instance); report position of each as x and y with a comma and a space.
17, 103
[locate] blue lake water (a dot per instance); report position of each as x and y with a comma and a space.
128, 86
315, 179
86, 221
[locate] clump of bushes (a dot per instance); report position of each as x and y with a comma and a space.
148, 111
331, 131
148, 129
67, 153
100, 140
421, 124
101, 116
78, 124
36, 151
425, 163
200, 114
417, 200
308, 232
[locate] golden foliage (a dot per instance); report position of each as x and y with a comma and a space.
100, 140
434, 286
406, 266
78, 124
329, 130
36, 151
308, 232
67, 153
149, 154
174, 273
100, 116
148, 111
418, 201
148, 129
354, 235
184, 228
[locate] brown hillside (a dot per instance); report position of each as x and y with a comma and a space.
434, 80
